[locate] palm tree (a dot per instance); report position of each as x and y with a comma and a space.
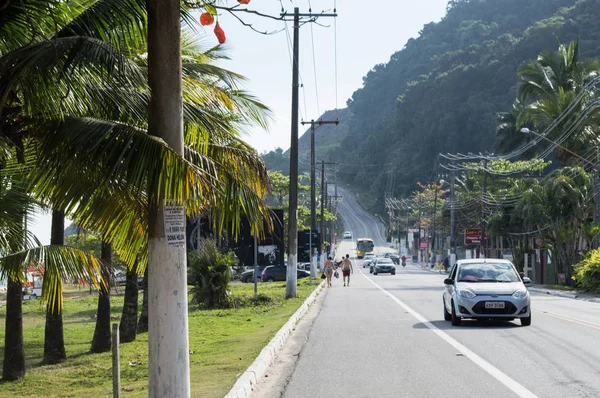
108, 178
54, 342
101, 341
129, 317
550, 87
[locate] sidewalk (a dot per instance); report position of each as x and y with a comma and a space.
572, 294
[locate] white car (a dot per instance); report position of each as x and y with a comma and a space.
367, 259
347, 235
486, 289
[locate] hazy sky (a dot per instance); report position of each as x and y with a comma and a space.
368, 33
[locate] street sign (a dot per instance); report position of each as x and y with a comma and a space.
472, 236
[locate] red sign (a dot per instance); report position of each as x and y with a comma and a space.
423, 244
472, 236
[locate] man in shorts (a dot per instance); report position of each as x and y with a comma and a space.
347, 269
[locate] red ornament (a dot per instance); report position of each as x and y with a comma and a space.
220, 33
206, 19
243, 1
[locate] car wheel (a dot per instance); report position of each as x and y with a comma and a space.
270, 279
447, 315
374, 273
393, 273
455, 319
526, 321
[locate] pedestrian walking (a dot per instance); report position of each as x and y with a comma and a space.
347, 269
446, 264
329, 268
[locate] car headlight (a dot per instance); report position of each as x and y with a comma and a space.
520, 294
466, 294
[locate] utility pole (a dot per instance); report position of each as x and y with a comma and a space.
434, 214
168, 361
291, 277
483, 194
292, 273
313, 184
452, 221
596, 182
322, 208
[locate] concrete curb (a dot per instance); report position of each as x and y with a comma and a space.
552, 292
245, 384
565, 295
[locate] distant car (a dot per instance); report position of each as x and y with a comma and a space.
367, 259
394, 257
248, 276
121, 279
347, 235
383, 265
486, 289
274, 273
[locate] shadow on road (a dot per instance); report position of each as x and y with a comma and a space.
469, 325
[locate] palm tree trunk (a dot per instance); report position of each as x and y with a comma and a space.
14, 355
128, 325
143, 322
101, 340
54, 342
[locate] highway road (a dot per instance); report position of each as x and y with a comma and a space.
384, 336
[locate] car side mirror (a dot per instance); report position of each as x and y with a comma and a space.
526, 280
448, 281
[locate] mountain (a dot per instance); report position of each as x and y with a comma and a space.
443, 91
328, 138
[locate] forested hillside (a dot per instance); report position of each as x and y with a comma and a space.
444, 90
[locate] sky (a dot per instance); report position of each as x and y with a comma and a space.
368, 33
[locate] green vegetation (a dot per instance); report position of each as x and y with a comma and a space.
447, 88
210, 273
224, 343
587, 272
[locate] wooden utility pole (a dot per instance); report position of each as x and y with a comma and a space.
168, 361
291, 277
313, 198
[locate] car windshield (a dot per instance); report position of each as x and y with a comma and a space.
487, 272
365, 246
384, 261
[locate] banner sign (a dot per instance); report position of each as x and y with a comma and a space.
472, 236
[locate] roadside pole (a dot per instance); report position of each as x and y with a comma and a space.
452, 222
168, 346
291, 272
255, 265
483, 194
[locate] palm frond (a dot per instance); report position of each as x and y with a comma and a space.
58, 262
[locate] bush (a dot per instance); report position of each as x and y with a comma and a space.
587, 272
210, 274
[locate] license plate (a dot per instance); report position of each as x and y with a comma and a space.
494, 305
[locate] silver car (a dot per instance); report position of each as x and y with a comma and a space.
367, 259
486, 289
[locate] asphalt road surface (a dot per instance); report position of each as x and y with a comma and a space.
384, 336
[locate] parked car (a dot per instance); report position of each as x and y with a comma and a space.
367, 259
121, 279
248, 276
486, 289
347, 235
394, 257
383, 265
274, 273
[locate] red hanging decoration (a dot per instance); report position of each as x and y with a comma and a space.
206, 19
220, 33
243, 1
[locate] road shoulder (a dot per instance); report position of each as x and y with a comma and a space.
278, 375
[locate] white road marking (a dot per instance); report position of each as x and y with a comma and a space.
572, 320
496, 373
